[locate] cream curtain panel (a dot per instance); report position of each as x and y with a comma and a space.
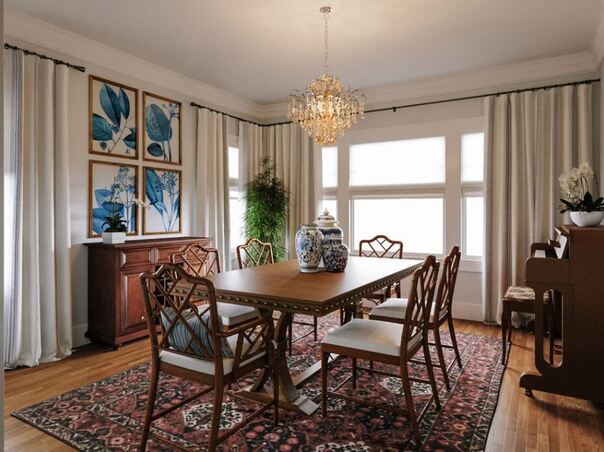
37, 298
212, 181
532, 137
292, 152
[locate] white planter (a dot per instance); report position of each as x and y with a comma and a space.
587, 219
114, 237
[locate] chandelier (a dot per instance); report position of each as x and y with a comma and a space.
327, 107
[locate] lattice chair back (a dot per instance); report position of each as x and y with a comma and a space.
419, 303
381, 246
446, 285
197, 260
191, 329
254, 253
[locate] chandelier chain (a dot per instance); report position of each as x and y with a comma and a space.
326, 40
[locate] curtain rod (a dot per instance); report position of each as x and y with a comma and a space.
418, 104
46, 57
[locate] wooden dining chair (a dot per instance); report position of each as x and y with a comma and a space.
382, 247
394, 310
388, 343
199, 261
192, 344
255, 252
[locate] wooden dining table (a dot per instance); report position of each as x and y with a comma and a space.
282, 287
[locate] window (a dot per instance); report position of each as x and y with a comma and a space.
472, 176
417, 222
404, 162
420, 183
236, 202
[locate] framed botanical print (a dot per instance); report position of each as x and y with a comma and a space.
162, 206
112, 190
162, 130
113, 111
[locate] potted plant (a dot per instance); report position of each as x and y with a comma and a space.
115, 231
586, 208
267, 201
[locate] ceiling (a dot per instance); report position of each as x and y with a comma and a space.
263, 49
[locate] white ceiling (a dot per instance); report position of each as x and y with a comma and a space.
262, 49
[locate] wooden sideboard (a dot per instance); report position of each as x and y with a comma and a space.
116, 312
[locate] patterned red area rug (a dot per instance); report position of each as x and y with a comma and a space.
108, 415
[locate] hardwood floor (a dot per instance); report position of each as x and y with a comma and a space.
547, 422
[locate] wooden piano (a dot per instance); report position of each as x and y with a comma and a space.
572, 269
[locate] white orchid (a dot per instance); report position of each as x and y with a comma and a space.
575, 185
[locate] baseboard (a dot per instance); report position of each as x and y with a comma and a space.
78, 335
467, 311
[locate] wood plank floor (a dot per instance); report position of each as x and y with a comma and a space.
545, 423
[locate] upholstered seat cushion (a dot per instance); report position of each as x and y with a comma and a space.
395, 308
522, 293
206, 366
370, 335
232, 314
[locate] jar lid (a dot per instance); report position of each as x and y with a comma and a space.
326, 220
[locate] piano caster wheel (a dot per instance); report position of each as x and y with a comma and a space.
528, 392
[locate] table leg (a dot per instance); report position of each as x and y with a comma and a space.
290, 398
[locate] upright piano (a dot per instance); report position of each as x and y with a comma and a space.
572, 270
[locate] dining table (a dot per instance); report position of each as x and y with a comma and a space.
284, 288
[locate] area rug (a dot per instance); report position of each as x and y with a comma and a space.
108, 414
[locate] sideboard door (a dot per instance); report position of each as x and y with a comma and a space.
133, 304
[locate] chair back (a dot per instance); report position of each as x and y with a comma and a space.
446, 285
254, 253
419, 304
171, 303
381, 246
197, 260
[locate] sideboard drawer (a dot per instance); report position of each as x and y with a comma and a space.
163, 254
136, 258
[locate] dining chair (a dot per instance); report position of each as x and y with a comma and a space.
255, 252
199, 261
192, 344
382, 247
394, 310
388, 343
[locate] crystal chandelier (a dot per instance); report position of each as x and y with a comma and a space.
327, 107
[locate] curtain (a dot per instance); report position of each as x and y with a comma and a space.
291, 151
37, 298
532, 137
212, 181
250, 145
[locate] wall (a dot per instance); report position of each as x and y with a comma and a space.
2, 223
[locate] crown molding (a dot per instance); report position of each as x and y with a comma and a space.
566, 68
89, 52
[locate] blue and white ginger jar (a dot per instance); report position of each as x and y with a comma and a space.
309, 247
335, 255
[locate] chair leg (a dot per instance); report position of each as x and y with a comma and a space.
315, 325
409, 401
324, 370
291, 336
150, 405
276, 369
454, 340
504, 327
441, 357
215, 427
354, 373
430, 369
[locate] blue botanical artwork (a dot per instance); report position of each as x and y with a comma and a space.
162, 129
113, 189
113, 116
162, 201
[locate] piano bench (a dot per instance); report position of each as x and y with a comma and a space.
522, 299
